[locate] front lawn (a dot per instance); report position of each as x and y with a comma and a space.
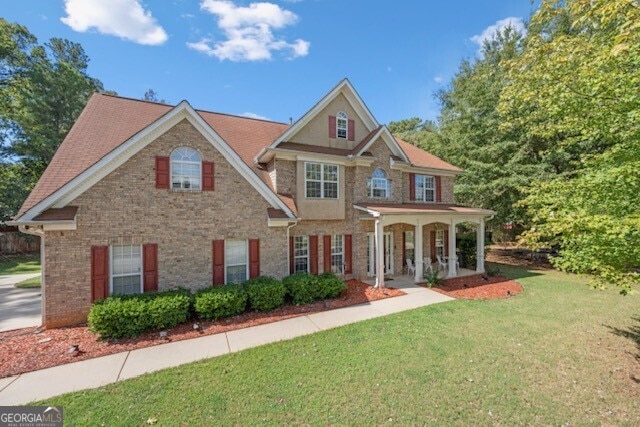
34, 282
559, 353
19, 264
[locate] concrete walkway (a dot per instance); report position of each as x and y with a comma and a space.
93, 373
19, 308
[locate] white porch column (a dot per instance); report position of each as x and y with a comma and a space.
418, 252
379, 237
480, 247
452, 250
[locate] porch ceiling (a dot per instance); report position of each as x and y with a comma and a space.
421, 208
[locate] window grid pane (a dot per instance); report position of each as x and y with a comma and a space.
235, 260
440, 243
301, 254
186, 167
321, 181
126, 269
341, 125
337, 253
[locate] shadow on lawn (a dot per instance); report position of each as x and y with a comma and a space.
514, 272
632, 333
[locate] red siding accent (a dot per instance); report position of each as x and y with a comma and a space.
291, 255
432, 245
348, 249
162, 172
99, 272
327, 252
218, 262
313, 254
438, 189
352, 130
150, 266
332, 126
412, 186
207, 176
254, 258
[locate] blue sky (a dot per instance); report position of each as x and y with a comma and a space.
273, 59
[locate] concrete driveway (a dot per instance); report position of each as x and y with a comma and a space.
19, 308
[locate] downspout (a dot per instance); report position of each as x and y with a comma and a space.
289, 227
38, 231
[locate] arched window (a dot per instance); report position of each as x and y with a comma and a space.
186, 169
379, 185
342, 124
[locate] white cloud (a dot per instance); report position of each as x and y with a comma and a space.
489, 32
123, 18
254, 116
249, 32
438, 79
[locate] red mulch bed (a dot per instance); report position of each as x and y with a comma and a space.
30, 349
479, 287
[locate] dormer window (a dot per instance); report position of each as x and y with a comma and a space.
342, 125
378, 185
186, 169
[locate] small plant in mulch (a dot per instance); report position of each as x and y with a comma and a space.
493, 271
432, 278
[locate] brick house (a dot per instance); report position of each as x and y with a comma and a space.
143, 196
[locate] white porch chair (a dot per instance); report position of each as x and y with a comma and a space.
411, 269
442, 265
427, 265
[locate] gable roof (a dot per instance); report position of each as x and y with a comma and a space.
419, 157
107, 122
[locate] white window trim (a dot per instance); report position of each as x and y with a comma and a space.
341, 253
423, 194
296, 257
322, 181
387, 186
112, 274
346, 125
246, 242
190, 162
442, 241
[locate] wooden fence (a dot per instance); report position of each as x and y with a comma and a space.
14, 242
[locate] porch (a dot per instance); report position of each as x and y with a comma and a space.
428, 236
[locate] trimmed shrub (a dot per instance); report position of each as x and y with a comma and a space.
301, 288
265, 293
220, 301
328, 285
122, 316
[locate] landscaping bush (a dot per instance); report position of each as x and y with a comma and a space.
265, 293
328, 285
220, 301
122, 316
432, 278
301, 288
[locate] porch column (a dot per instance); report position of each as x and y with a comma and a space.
418, 252
480, 247
452, 249
379, 237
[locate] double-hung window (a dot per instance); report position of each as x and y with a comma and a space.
337, 253
236, 261
425, 188
301, 254
186, 169
321, 181
378, 185
126, 269
342, 125
440, 243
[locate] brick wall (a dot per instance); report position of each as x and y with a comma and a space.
125, 207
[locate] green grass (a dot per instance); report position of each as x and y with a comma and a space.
19, 264
32, 283
560, 353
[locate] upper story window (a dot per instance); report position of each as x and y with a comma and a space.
342, 125
379, 185
186, 172
321, 181
425, 188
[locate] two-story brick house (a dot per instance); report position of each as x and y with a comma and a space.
143, 196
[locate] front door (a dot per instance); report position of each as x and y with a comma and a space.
388, 253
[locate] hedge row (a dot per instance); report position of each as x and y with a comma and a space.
129, 316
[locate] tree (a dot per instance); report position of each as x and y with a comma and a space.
574, 95
43, 89
152, 96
